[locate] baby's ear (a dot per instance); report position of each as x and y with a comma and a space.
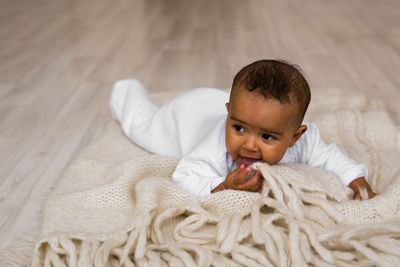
299, 132
227, 106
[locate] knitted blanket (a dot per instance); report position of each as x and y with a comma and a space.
116, 205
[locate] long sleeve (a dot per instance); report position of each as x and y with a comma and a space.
204, 168
316, 153
197, 177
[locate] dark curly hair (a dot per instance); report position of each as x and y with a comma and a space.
276, 79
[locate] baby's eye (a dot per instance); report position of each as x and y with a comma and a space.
238, 128
267, 137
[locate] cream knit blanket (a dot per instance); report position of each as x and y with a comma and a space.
114, 208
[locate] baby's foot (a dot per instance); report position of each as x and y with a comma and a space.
123, 93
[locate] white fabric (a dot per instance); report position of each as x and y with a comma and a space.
172, 129
192, 126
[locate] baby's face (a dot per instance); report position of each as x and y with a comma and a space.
259, 129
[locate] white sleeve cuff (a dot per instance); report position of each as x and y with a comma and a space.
358, 171
216, 182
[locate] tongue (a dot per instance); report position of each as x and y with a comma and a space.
248, 161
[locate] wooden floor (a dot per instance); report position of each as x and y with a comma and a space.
59, 59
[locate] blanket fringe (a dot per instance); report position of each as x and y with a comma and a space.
283, 227
274, 239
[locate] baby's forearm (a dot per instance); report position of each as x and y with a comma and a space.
220, 187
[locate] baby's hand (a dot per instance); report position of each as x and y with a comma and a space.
358, 185
236, 180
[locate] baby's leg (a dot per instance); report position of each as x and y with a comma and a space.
131, 106
172, 129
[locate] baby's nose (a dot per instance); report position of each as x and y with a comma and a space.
250, 143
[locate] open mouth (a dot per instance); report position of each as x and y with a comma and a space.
248, 161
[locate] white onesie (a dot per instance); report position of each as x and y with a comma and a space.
192, 127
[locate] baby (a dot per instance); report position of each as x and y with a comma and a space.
263, 121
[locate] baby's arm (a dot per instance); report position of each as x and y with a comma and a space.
197, 176
200, 174
238, 180
331, 158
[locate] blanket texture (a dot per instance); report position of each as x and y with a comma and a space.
113, 208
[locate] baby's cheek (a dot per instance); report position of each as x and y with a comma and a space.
271, 156
232, 142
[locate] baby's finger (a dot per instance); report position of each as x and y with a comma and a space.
236, 171
371, 195
245, 175
235, 177
255, 182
